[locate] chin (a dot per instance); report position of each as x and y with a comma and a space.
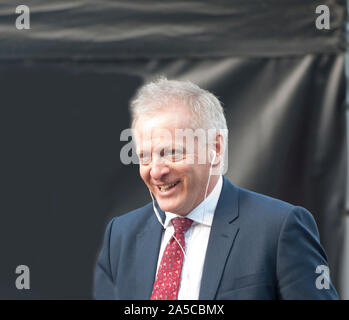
166, 206
173, 209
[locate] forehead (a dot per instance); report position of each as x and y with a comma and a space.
163, 126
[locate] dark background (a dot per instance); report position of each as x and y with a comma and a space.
65, 85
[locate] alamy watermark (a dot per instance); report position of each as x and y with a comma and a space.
190, 145
323, 19
23, 20
323, 280
23, 280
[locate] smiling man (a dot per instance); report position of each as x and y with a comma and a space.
202, 237
169, 158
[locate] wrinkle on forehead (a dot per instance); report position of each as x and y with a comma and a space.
162, 126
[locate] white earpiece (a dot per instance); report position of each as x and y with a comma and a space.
214, 157
203, 213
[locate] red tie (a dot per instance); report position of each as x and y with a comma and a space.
169, 274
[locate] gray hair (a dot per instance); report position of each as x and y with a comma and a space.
207, 111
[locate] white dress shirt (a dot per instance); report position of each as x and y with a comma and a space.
196, 240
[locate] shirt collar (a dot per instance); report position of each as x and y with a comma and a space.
204, 212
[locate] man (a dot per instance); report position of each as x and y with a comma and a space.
203, 237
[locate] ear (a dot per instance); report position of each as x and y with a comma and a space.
217, 154
218, 148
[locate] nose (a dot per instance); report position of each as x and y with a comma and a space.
158, 170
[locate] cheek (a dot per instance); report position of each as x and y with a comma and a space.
191, 176
198, 176
144, 173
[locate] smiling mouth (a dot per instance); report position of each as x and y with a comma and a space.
167, 187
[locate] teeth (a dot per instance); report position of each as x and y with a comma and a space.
166, 186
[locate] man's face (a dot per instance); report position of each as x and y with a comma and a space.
176, 179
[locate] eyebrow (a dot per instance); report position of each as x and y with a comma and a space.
182, 148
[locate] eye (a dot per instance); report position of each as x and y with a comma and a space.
173, 154
145, 158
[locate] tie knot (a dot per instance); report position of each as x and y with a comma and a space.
181, 224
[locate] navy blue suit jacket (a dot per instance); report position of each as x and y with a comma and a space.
259, 248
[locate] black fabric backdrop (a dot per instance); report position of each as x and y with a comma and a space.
65, 86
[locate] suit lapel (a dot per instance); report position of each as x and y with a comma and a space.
223, 232
147, 251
